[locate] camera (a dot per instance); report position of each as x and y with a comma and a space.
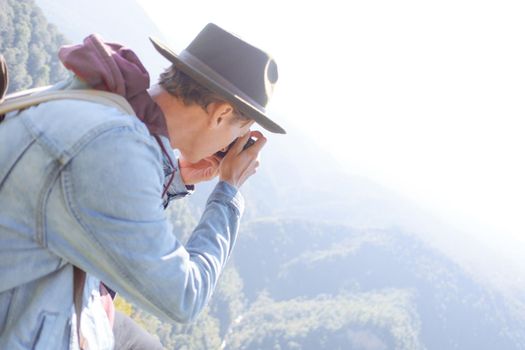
221, 154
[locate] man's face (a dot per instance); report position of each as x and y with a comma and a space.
199, 132
220, 138
215, 136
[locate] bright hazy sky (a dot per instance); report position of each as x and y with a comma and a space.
425, 97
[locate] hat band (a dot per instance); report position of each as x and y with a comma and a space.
207, 71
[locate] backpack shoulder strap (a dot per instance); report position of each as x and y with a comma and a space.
79, 280
34, 97
4, 78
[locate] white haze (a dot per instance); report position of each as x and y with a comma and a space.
426, 98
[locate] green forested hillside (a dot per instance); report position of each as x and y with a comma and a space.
30, 45
299, 284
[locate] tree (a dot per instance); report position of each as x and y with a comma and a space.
30, 45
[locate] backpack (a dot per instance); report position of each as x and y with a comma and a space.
4, 78
33, 97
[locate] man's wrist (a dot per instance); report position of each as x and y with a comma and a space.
225, 192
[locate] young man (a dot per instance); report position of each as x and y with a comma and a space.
83, 187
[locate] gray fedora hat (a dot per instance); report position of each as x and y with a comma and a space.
243, 74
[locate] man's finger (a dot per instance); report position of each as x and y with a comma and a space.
216, 158
213, 161
258, 144
212, 172
239, 144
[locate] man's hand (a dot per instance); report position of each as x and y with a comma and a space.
204, 170
238, 164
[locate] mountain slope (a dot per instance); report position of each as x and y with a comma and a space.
409, 291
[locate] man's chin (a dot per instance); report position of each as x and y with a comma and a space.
195, 158
187, 157
192, 159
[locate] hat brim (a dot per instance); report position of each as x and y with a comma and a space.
211, 80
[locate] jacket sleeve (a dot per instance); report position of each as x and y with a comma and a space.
111, 196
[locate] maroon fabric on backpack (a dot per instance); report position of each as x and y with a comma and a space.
114, 68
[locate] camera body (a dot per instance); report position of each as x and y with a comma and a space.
221, 154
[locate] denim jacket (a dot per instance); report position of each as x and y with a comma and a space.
81, 184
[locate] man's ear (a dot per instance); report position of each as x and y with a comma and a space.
219, 113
